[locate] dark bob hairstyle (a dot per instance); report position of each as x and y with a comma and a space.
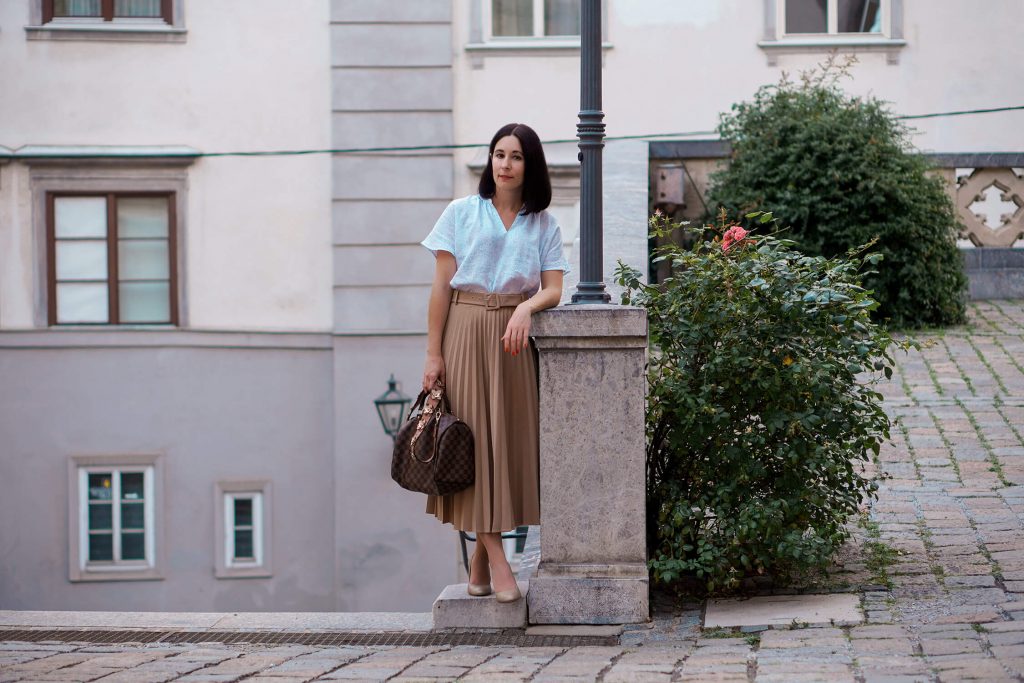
536, 182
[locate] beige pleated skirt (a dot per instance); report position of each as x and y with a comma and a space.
495, 393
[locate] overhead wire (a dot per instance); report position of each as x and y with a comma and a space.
431, 148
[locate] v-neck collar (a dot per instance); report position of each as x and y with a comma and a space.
501, 221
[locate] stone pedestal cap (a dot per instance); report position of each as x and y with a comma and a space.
590, 326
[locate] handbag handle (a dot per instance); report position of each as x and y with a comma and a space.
416, 404
441, 407
421, 399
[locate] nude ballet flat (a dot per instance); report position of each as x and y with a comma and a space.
509, 595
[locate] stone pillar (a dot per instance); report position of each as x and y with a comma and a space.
592, 566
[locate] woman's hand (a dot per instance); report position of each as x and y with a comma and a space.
517, 332
433, 372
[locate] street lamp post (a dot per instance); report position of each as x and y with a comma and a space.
590, 130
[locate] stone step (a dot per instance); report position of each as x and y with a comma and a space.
455, 608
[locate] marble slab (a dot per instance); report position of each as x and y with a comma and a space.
841, 609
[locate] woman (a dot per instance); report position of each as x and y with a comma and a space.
498, 260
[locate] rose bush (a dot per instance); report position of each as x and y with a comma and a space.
761, 409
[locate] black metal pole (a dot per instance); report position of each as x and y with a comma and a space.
590, 130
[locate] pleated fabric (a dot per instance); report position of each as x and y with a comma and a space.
495, 393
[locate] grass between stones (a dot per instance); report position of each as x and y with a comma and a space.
988, 365
910, 448
752, 639
945, 441
984, 318
1009, 356
997, 571
996, 466
994, 303
998, 405
963, 375
879, 555
932, 375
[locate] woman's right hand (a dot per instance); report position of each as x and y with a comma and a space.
433, 372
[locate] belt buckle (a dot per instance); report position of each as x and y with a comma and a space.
492, 301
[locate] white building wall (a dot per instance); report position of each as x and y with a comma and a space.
250, 76
675, 65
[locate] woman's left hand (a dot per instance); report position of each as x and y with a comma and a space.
517, 333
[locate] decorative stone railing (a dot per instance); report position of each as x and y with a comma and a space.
991, 205
986, 188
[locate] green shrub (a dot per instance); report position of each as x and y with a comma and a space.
761, 409
840, 171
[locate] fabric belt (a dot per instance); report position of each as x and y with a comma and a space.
491, 300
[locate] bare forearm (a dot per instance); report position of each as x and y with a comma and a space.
543, 299
550, 293
437, 315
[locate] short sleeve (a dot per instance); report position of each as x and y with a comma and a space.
551, 256
442, 237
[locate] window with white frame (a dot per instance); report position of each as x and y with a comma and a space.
533, 18
243, 532
816, 26
834, 17
243, 538
116, 518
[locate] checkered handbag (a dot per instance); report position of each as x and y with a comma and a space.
434, 449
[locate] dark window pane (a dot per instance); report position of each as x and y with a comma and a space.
101, 547
243, 511
806, 16
131, 515
133, 546
76, 8
131, 486
562, 17
243, 544
100, 516
99, 486
512, 18
136, 8
860, 16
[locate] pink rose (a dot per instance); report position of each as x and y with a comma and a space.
732, 236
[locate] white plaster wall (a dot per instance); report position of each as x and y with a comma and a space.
675, 65
16, 247
253, 75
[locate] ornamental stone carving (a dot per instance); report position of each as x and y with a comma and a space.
991, 205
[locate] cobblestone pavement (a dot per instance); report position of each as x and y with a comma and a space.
938, 559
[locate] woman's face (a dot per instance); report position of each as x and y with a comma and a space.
507, 164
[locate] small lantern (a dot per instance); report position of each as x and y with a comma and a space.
391, 407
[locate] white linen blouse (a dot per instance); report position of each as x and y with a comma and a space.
488, 257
